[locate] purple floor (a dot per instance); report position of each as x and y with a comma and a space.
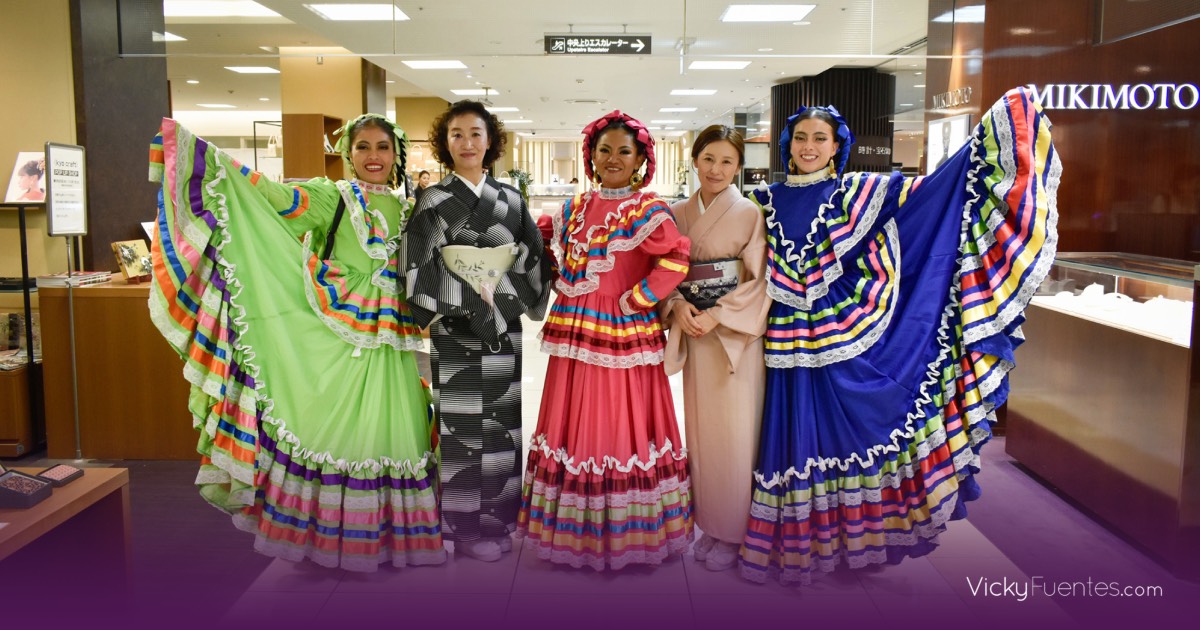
191, 568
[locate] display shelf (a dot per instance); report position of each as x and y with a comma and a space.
33, 379
1105, 403
304, 154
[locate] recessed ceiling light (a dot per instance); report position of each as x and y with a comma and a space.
516, 121
718, 65
766, 50
216, 105
252, 69
678, 109
166, 37
357, 12
211, 8
654, 128
919, 85
263, 98
918, 73
390, 81
766, 12
905, 104
801, 23
666, 122
973, 14
448, 64
192, 82
693, 92
473, 92
503, 109
764, 122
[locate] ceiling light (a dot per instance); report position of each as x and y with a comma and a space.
654, 128
973, 14
718, 65
215, 8
263, 98
252, 69
666, 122
919, 85
918, 73
192, 82
693, 92
166, 37
473, 92
503, 109
763, 122
357, 12
766, 12
390, 81
678, 109
516, 121
216, 105
449, 64
766, 50
905, 104
801, 23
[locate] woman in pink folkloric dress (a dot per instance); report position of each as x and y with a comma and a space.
606, 483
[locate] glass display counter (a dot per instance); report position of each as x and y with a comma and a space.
1102, 405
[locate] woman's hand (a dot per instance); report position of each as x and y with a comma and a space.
705, 323
687, 315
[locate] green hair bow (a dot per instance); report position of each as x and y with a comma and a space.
400, 141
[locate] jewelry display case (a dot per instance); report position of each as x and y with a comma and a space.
1103, 404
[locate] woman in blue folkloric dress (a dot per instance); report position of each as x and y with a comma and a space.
897, 308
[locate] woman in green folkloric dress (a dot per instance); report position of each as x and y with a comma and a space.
315, 427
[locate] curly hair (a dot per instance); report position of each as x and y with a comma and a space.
441, 128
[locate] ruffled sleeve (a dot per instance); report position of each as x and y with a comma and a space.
671, 250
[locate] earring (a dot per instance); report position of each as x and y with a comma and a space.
635, 180
792, 166
596, 179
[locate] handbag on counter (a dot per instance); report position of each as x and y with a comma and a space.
707, 282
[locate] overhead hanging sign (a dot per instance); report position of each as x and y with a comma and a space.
66, 190
594, 44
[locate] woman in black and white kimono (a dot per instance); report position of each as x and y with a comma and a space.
475, 329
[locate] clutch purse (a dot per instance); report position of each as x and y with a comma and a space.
479, 266
707, 282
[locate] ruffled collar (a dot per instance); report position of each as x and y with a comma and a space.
616, 193
808, 179
374, 189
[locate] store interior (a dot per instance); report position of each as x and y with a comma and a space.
1092, 475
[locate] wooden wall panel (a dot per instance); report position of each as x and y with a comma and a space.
1131, 178
119, 104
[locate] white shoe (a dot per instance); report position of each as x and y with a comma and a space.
505, 544
484, 550
701, 547
722, 556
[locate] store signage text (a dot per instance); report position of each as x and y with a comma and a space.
592, 44
1126, 96
953, 98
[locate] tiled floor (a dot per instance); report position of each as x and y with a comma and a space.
192, 568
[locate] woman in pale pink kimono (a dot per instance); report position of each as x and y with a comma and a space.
717, 318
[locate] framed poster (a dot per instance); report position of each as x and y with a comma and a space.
28, 181
944, 137
66, 190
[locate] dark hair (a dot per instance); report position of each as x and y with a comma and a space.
441, 127
33, 167
820, 114
716, 133
389, 129
422, 173
617, 124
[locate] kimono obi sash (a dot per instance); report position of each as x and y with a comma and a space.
707, 282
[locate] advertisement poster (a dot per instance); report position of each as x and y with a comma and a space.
944, 138
28, 181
